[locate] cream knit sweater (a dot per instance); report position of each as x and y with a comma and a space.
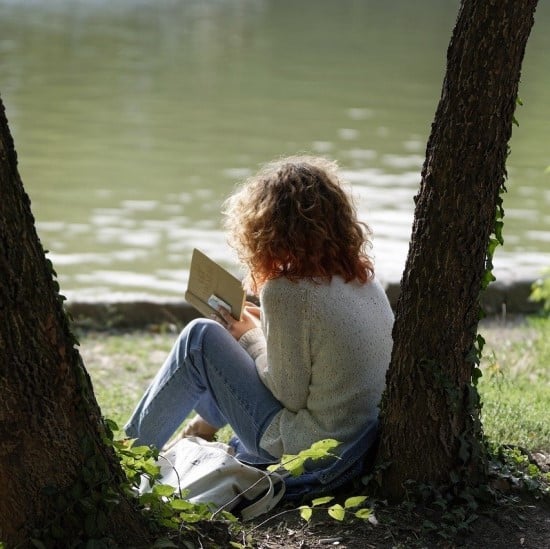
323, 351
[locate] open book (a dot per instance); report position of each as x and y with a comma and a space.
210, 286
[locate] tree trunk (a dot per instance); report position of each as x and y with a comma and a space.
52, 457
431, 429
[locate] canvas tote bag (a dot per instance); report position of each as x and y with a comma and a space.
206, 472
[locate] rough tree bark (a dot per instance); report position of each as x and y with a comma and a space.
430, 413
50, 424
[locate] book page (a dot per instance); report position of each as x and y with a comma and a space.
206, 279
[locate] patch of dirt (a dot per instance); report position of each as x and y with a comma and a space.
523, 524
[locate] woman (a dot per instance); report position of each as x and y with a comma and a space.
307, 365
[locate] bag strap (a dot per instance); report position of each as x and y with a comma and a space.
268, 500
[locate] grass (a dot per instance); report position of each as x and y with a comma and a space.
121, 364
515, 387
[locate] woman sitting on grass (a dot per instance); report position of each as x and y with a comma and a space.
310, 362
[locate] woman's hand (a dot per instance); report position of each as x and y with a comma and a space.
250, 319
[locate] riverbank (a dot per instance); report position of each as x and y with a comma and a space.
500, 299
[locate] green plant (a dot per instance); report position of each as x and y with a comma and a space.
540, 291
337, 511
163, 505
512, 468
295, 464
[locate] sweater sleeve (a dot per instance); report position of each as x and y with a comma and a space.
253, 342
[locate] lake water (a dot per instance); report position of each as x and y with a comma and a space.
134, 119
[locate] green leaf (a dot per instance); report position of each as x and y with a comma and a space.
182, 505
140, 450
364, 513
499, 225
324, 445
193, 517
318, 450
274, 467
337, 512
476, 375
493, 244
305, 512
169, 523
229, 517
321, 501
148, 498
111, 424
151, 469
236, 544
293, 464
354, 501
163, 490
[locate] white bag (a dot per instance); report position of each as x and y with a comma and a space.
206, 472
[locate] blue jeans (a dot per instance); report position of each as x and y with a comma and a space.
208, 371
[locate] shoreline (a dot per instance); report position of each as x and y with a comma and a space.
499, 299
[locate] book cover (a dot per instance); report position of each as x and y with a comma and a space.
210, 282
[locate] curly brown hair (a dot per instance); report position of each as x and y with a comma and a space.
293, 219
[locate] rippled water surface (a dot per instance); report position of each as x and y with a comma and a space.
133, 120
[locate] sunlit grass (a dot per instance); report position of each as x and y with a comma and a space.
121, 365
515, 387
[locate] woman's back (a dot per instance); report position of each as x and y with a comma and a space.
328, 349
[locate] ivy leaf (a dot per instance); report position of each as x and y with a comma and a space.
150, 468
354, 501
323, 446
163, 490
337, 512
321, 501
476, 374
111, 424
140, 450
192, 517
318, 450
181, 505
229, 517
498, 231
363, 514
305, 512
147, 498
293, 464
